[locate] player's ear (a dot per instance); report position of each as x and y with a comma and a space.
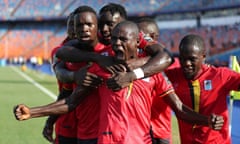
204, 57
138, 41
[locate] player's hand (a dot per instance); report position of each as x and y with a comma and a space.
92, 80
120, 80
21, 112
216, 122
85, 78
117, 68
48, 132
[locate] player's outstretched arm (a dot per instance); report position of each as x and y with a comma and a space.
22, 112
71, 53
187, 114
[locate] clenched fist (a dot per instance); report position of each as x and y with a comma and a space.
21, 112
216, 121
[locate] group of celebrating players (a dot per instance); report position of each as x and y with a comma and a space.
118, 85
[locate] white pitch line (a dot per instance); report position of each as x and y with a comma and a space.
43, 89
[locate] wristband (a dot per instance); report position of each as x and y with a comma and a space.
139, 73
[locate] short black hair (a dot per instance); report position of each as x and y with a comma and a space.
145, 19
148, 20
114, 8
80, 9
131, 24
84, 8
192, 39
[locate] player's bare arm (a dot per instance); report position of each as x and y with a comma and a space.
63, 74
159, 61
187, 114
23, 112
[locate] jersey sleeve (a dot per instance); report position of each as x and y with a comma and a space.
232, 79
163, 86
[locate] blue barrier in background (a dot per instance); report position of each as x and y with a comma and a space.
2, 62
235, 134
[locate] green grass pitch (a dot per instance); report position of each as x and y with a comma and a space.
15, 89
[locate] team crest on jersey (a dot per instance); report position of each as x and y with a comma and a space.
140, 51
207, 84
105, 53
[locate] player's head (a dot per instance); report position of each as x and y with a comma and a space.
110, 15
125, 40
70, 26
85, 24
192, 55
149, 27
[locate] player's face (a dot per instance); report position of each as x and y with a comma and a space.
149, 30
107, 22
85, 25
191, 60
70, 27
124, 43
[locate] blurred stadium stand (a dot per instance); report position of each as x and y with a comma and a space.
51, 9
32, 28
